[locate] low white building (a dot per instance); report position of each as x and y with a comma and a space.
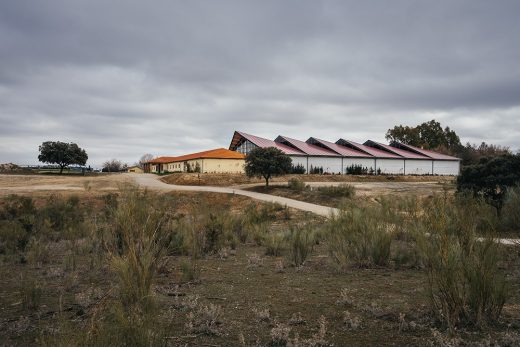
317, 155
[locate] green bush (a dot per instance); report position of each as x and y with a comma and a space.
296, 185
13, 237
342, 191
357, 170
298, 169
510, 214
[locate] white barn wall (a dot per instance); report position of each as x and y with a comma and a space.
390, 166
446, 167
297, 159
329, 164
364, 162
418, 167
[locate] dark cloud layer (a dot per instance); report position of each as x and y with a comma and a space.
123, 78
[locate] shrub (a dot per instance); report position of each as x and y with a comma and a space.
190, 270
510, 216
31, 294
491, 177
341, 191
465, 283
296, 185
298, 169
274, 243
300, 241
13, 237
360, 236
357, 170
137, 238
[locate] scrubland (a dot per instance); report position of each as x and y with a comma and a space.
133, 267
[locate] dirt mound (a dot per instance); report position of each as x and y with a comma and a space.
226, 180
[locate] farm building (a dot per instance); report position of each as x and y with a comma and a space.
218, 160
344, 155
134, 169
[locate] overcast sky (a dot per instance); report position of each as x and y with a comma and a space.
124, 78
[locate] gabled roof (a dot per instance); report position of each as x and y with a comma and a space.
378, 153
239, 136
341, 150
306, 148
162, 160
219, 153
426, 152
399, 152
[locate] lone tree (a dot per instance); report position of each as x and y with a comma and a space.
267, 162
62, 154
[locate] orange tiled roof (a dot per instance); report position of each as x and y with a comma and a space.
219, 153
162, 160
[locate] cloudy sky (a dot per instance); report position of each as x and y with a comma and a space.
126, 77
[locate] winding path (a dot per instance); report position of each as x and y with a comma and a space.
153, 182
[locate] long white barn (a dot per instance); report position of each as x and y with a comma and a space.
396, 158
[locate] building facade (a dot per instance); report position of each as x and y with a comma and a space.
317, 155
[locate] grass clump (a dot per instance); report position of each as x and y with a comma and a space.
340, 191
140, 234
300, 242
297, 185
510, 213
466, 286
360, 236
274, 243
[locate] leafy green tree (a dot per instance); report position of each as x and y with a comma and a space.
267, 162
62, 154
428, 135
491, 177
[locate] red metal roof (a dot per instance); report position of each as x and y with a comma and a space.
307, 148
400, 152
370, 150
341, 150
426, 152
261, 142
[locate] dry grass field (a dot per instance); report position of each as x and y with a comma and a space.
105, 264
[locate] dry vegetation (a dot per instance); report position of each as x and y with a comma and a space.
137, 268
226, 180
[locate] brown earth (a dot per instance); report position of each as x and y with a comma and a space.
43, 184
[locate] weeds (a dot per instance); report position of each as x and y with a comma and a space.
466, 286
31, 294
205, 320
339, 191
360, 236
297, 185
510, 213
301, 241
274, 243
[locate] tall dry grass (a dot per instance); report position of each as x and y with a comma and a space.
466, 285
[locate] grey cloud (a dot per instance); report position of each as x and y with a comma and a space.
127, 77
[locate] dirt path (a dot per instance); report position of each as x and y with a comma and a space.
153, 182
